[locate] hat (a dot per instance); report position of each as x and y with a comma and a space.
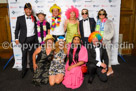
77, 35
48, 36
95, 34
40, 12
28, 5
55, 7
60, 37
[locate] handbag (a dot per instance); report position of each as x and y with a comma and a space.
84, 69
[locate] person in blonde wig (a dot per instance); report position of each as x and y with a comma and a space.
57, 68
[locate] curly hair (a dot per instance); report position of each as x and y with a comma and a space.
72, 9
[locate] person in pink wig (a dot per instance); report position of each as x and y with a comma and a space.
71, 26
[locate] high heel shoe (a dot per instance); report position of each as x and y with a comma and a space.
110, 73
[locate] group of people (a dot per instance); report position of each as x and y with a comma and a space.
61, 54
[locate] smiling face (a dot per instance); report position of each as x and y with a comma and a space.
55, 12
41, 17
72, 14
28, 11
95, 41
101, 15
76, 41
84, 14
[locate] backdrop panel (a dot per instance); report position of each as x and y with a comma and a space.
16, 8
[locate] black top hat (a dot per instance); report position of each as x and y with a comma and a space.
28, 5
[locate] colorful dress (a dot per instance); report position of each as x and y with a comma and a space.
42, 73
58, 64
71, 30
74, 78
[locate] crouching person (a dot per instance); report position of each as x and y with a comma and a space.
57, 68
97, 58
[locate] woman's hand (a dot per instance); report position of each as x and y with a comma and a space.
70, 67
35, 66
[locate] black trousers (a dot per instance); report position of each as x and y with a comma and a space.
56, 36
28, 47
93, 69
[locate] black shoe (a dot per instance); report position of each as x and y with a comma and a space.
90, 80
24, 73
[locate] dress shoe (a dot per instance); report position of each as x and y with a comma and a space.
90, 80
24, 73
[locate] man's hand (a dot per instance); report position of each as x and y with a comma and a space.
103, 65
17, 42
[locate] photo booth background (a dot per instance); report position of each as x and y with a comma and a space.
16, 8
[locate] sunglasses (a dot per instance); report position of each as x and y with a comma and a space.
85, 13
101, 14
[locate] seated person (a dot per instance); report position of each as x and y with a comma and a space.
57, 68
97, 58
41, 68
77, 56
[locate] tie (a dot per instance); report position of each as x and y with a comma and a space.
28, 17
85, 19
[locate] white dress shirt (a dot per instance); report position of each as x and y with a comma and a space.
29, 26
58, 30
98, 57
86, 27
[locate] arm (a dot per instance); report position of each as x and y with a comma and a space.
111, 29
90, 57
78, 27
37, 51
75, 65
65, 25
17, 31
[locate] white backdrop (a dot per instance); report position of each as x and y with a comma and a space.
16, 8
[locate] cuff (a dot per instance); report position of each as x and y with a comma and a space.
98, 64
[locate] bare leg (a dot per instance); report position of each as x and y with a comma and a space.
52, 79
59, 78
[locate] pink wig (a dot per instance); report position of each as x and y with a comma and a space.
72, 9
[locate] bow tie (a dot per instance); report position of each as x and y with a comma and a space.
28, 17
85, 19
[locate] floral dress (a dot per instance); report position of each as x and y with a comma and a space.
58, 64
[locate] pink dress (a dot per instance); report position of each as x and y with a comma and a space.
74, 78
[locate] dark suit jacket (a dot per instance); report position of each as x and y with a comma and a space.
22, 29
92, 56
92, 27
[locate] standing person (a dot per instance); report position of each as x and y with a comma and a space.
71, 24
56, 22
57, 68
25, 33
106, 28
97, 58
41, 67
77, 57
42, 26
87, 26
